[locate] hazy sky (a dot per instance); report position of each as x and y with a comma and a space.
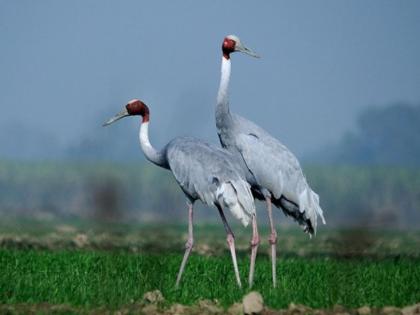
66, 66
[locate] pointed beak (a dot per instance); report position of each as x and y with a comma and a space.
118, 116
247, 51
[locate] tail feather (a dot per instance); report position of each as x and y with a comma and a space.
237, 197
305, 212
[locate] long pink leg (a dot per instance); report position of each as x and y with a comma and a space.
231, 243
255, 241
272, 240
188, 245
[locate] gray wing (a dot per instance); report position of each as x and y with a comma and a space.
273, 167
276, 169
209, 173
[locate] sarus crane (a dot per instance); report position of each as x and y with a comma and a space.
272, 170
203, 171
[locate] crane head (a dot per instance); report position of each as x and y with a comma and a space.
232, 43
133, 108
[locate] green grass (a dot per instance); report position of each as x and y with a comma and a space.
112, 279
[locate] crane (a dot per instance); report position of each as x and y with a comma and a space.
203, 171
271, 169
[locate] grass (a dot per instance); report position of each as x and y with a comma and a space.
112, 279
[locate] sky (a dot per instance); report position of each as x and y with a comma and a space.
67, 66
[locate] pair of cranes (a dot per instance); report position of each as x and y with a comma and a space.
251, 164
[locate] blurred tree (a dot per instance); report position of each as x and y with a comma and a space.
385, 136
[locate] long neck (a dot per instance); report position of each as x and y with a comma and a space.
153, 155
222, 107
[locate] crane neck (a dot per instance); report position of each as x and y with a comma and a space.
153, 155
222, 107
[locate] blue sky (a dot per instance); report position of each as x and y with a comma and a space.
66, 66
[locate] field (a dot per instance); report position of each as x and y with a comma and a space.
80, 267
64, 246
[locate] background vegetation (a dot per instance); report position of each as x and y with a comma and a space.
350, 195
370, 178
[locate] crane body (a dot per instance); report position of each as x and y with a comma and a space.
273, 172
204, 172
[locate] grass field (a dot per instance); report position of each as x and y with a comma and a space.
114, 265
93, 279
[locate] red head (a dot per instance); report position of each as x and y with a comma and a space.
232, 43
137, 107
133, 108
228, 47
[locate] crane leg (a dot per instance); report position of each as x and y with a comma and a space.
272, 240
255, 241
231, 243
188, 245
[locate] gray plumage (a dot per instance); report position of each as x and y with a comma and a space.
206, 172
271, 169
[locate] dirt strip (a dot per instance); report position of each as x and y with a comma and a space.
252, 303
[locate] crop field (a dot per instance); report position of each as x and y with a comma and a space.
79, 267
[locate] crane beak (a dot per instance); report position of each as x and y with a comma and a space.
122, 114
247, 51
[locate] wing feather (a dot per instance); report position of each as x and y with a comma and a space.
210, 174
277, 169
